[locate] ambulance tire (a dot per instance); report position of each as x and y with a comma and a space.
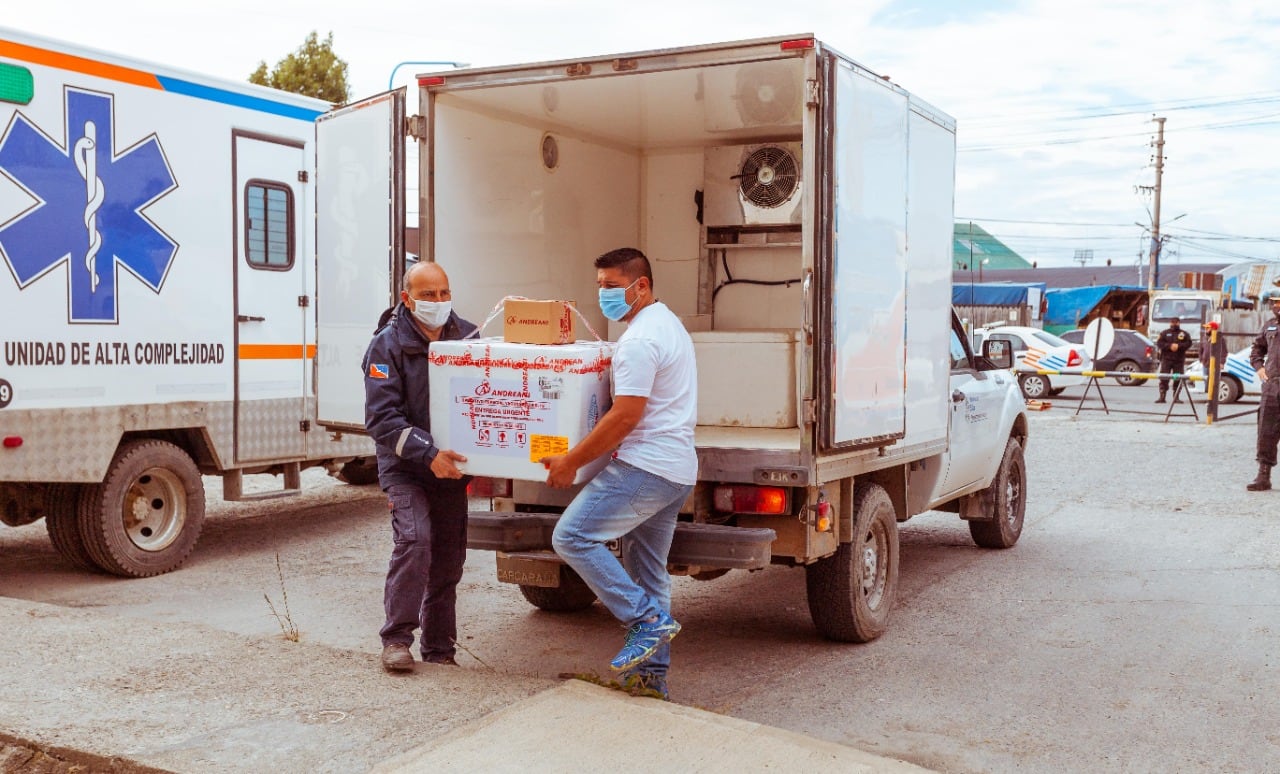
572, 595
146, 516
62, 522
360, 472
852, 592
1008, 497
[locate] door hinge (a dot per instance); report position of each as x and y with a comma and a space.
305, 425
416, 127
304, 301
303, 176
812, 94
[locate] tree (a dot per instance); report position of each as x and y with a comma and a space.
313, 70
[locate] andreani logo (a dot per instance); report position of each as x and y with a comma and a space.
89, 203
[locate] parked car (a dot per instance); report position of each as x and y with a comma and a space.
1036, 350
1236, 379
1131, 353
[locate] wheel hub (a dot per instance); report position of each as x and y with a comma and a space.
155, 509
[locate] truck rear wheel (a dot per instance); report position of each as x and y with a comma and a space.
146, 516
571, 595
851, 593
1007, 495
62, 522
360, 472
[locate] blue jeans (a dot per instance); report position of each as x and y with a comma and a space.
429, 526
639, 510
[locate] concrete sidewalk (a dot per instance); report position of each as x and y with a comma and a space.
138, 694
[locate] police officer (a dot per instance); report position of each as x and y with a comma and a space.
1173, 344
1265, 359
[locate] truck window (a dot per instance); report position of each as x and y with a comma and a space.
1185, 309
959, 357
268, 225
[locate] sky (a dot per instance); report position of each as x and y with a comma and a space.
1054, 101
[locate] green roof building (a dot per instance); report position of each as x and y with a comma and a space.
973, 248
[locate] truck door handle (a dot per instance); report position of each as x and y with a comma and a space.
957, 396
250, 318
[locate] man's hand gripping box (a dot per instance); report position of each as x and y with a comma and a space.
504, 406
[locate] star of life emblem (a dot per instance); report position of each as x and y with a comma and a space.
89, 206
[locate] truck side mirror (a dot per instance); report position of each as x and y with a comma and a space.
999, 352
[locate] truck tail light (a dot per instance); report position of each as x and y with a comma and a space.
752, 499
482, 486
1074, 359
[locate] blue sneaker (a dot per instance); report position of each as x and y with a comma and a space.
643, 640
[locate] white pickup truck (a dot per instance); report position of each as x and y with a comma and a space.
797, 209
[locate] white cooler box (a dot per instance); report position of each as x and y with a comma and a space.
504, 406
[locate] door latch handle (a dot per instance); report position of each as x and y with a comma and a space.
957, 396
250, 318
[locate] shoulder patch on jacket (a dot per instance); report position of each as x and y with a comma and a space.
379, 371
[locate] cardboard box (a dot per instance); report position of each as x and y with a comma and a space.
538, 322
504, 406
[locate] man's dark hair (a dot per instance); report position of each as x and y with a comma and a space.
630, 260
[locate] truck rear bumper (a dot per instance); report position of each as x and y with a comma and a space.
711, 546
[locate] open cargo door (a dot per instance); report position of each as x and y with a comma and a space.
360, 209
867, 280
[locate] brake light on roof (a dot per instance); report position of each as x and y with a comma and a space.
431, 80
743, 498
792, 45
1074, 359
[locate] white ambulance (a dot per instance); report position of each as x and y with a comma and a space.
157, 300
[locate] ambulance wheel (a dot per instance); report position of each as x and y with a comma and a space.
62, 522
572, 595
1007, 495
146, 516
360, 471
851, 593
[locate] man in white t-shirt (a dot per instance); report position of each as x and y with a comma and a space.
635, 499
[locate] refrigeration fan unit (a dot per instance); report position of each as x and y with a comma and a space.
767, 94
768, 177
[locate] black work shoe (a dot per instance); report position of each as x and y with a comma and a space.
1259, 484
440, 661
397, 658
1160, 399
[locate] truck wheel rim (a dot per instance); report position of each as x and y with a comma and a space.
873, 570
1012, 494
155, 508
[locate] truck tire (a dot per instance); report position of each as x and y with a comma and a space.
572, 595
146, 516
360, 472
62, 522
1007, 495
1034, 386
852, 592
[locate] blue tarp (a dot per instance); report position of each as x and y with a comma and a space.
1067, 306
993, 293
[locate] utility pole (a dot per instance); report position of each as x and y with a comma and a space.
1153, 271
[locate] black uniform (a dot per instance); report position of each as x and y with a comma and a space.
1266, 353
1172, 361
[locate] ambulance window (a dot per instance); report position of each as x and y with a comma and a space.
268, 226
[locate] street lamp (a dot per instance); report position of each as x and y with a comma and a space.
392, 79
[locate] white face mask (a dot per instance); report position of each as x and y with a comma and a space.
433, 314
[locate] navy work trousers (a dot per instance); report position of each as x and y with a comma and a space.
429, 526
1268, 422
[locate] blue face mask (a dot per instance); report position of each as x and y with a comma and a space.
613, 302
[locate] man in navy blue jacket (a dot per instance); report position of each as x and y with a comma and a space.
426, 492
